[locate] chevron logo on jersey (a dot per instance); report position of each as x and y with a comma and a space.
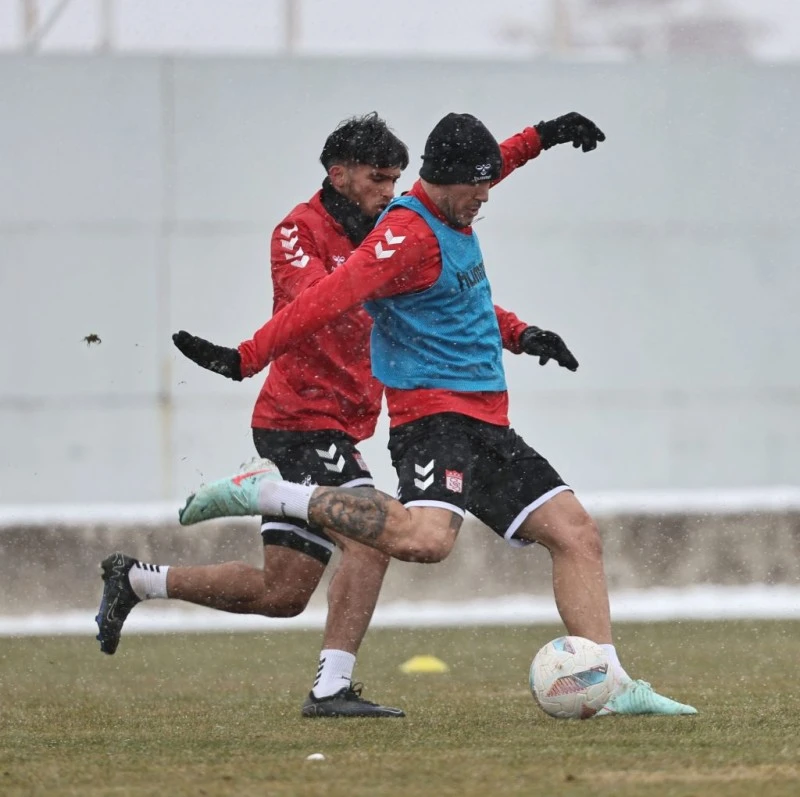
295, 254
302, 260
289, 235
391, 240
329, 458
427, 472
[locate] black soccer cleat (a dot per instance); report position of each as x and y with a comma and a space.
347, 702
117, 602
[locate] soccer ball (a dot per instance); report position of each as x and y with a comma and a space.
571, 679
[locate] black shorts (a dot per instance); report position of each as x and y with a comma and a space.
459, 463
327, 458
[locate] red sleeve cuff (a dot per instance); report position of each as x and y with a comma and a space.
533, 141
249, 358
512, 343
511, 328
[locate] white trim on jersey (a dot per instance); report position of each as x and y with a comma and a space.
438, 505
520, 518
306, 535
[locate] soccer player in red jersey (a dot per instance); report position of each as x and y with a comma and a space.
437, 346
316, 404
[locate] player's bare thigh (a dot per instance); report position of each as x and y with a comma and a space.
557, 521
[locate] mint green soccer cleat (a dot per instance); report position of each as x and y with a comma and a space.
233, 496
638, 697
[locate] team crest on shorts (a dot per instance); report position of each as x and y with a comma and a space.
360, 461
454, 480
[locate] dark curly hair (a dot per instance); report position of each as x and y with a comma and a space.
364, 139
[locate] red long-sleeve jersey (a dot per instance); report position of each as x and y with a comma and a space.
324, 381
413, 265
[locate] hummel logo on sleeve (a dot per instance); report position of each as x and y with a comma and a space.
298, 258
391, 240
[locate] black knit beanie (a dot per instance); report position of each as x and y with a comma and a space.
461, 150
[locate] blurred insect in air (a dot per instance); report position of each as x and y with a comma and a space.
91, 338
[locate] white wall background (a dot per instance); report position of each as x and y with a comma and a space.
440, 28
137, 196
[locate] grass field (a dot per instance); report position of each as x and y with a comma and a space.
219, 715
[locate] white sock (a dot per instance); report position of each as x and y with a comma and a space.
285, 498
148, 581
613, 661
335, 672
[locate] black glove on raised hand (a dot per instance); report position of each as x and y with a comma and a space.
547, 346
582, 132
218, 359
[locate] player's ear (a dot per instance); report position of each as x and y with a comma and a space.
337, 174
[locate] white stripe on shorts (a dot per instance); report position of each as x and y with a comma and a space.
438, 505
362, 482
306, 535
520, 518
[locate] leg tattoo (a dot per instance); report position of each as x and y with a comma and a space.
357, 512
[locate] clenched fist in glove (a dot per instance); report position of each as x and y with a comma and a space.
218, 359
571, 127
547, 346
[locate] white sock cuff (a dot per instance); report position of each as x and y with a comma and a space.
148, 581
339, 658
614, 663
335, 672
285, 499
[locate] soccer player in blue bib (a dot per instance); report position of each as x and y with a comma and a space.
437, 346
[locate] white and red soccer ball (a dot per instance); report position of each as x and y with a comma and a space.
570, 678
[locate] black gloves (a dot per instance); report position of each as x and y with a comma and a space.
218, 359
582, 132
547, 346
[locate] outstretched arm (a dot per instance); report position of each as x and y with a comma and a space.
572, 128
517, 150
350, 285
295, 266
379, 267
375, 269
